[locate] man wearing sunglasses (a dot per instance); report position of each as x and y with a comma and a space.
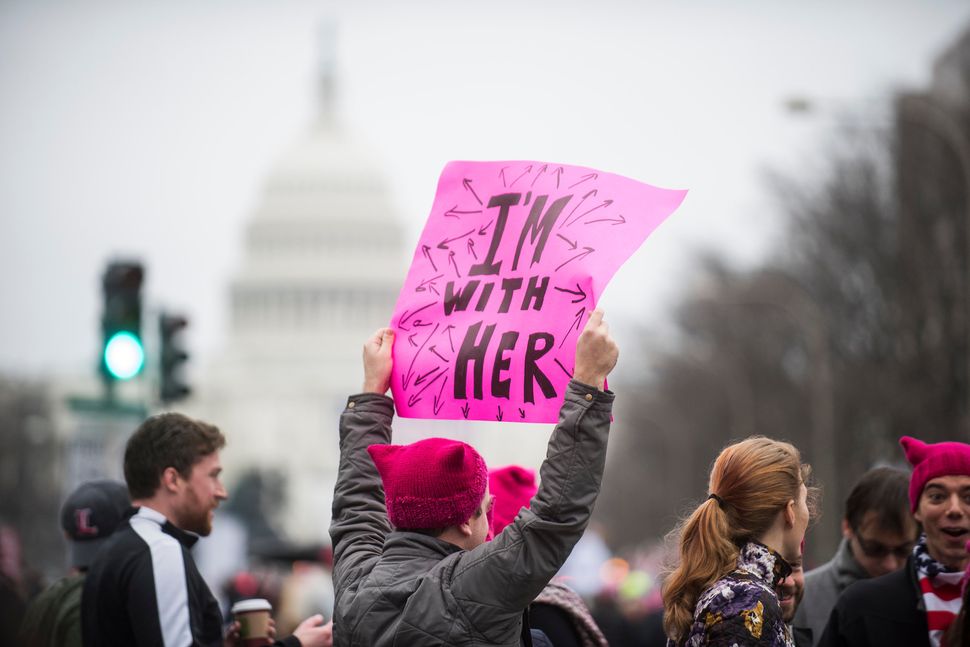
878, 533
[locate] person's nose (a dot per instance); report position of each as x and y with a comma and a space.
891, 563
954, 507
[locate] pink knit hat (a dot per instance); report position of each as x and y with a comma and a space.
433, 483
930, 461
512, 487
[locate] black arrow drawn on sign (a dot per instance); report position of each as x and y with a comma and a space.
468, 187
590, 176
568, 219
563, 368
484, 229
439, 402
558, 173
619, 220
444, 244
428, 284
416, 397
522, 413
465, 409
540, 172
604, 203
498, 416
572, 244
528, 169
574, 326
411, 339
426, 250
451, 342
421, 378
455, 212
471, 248
453, 262
440, 356
587, 251
410, 373
408, 314
578, 292
501, 174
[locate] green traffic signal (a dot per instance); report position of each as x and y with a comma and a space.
122, 352
124, 356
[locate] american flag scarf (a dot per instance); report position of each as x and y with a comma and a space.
940, 586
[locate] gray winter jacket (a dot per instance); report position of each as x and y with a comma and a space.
403, 589
823, 585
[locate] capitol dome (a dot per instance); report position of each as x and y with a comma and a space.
321, 266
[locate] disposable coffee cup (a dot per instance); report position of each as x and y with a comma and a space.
253, 617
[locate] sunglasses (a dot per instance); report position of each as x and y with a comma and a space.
878, 550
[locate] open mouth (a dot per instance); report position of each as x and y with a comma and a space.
956, 533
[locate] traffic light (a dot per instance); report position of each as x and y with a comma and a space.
122, 350
172, 356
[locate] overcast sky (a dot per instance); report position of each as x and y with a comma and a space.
146, 129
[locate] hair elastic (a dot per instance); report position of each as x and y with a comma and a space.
719, 500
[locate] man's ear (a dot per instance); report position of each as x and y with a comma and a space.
846, 529
170, 480
465, 528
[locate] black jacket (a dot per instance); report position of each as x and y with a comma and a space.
883, 611
144, 590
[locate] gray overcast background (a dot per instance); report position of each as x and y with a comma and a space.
146, 128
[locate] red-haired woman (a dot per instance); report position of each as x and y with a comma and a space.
733, 549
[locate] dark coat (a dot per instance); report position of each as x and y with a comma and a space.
884, 611
404, 588
823, 586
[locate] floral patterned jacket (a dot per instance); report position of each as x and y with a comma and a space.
741, 609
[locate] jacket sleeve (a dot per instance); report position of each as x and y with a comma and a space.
508, 572
360, 522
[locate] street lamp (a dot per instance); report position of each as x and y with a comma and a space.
920, 110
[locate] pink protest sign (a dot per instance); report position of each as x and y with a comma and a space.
513, 257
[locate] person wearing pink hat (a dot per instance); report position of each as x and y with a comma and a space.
915, 605
558, 611
411, 564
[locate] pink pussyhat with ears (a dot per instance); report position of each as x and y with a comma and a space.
930, 461
433, 483
513, 487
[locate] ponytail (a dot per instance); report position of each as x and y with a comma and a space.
706, 555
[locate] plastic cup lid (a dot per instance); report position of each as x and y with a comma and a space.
252, 604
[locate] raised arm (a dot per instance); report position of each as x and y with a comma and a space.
360, 523
513, 568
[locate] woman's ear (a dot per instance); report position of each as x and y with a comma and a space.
465, 528
790, 514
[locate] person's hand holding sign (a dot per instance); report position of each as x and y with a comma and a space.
377, 361
596, 352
